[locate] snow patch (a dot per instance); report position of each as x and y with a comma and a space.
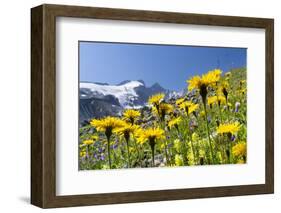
125, 93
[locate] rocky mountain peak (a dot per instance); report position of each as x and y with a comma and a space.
102, 99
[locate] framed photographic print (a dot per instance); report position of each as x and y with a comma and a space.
137, 106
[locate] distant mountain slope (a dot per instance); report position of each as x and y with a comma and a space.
125, 93
100, 99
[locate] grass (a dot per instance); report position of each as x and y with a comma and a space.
206, 126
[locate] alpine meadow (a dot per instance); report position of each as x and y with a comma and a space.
176, 118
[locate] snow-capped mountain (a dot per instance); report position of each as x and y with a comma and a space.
125, 93
101, 99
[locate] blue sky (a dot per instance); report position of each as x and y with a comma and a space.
168, 65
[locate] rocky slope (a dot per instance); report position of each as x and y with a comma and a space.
101, 99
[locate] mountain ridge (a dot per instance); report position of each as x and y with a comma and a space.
101, 99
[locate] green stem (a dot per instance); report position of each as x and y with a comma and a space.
184, 154
88, 151
225, 152
166, 153
165, 146
192, 145
193, 152
87, 158
208, 132
220, 112
219, 106
138, 151
108, 151
128, 152
152, 152
230, 152
227, 107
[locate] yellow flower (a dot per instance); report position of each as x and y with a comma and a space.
205, 80
190, 157
223, 89
88, 142
132, 149
94, 137
180, 101
131, 115
163, 146
201, 83
212, 100
83, 154
242, 91
242, 81
193, 108
228, 128
107, 125
195, 137
127, 130
216, 100
221, 99
240, 161
194, 83
215, 74
219, 156
227, 74
202, 114
189, 107
240, 149
174, 122
178, 160
185, 105
224, 85
229, 105
151, 135
163, 109
156, 99
177, 145
202, 153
